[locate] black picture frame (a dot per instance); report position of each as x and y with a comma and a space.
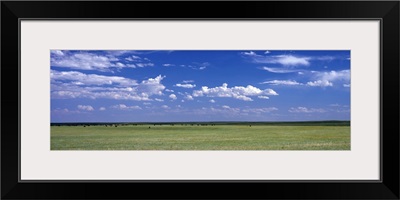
386, 11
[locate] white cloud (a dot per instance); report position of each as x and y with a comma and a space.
300, 73
289, 60
237, 92
146, 103
212, 101
85, 61
66, 85
324, 79
118, 52
96, 60
229, 110
321, 79
57, 52
159, 100
320, 83
286, 60
79, 78
168, 90
165, 106
172, 96
151, 86
279, 70
186, 85
65, 111
125, 107
197, 66
85, 107
250, 53
189, 97
102, 108
144, 64
168, 65
263, 97
282, 82
260, 110
306, 110
135, 58
334, 75
188, 81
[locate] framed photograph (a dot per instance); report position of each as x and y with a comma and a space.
284, 96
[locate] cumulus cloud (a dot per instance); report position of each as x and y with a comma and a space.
212, 101
168, 90
84, 61
102, 108
189, 97
288, 60
320, 83
159, 100
79, 78
229, 110
65, 85
343, 75
168, 65
125, 107
318, 79
165, 107
263, 97
328, 78
133, 58
250, 53
173, 96
306, 110
187, 81
186, 85
237, 92
151, 86
57, 52
282, 82
104, 61
85, 107
144, 64
259, 110
65, 111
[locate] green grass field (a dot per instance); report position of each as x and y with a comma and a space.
188, 137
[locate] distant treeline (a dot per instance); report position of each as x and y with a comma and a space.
299, 123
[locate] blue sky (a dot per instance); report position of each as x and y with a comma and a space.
194, 85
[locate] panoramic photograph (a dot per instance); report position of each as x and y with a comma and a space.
200, 100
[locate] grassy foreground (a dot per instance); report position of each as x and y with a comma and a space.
217, 137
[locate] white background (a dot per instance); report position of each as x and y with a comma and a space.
39, 163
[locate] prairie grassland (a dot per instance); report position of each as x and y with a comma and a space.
187, 137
